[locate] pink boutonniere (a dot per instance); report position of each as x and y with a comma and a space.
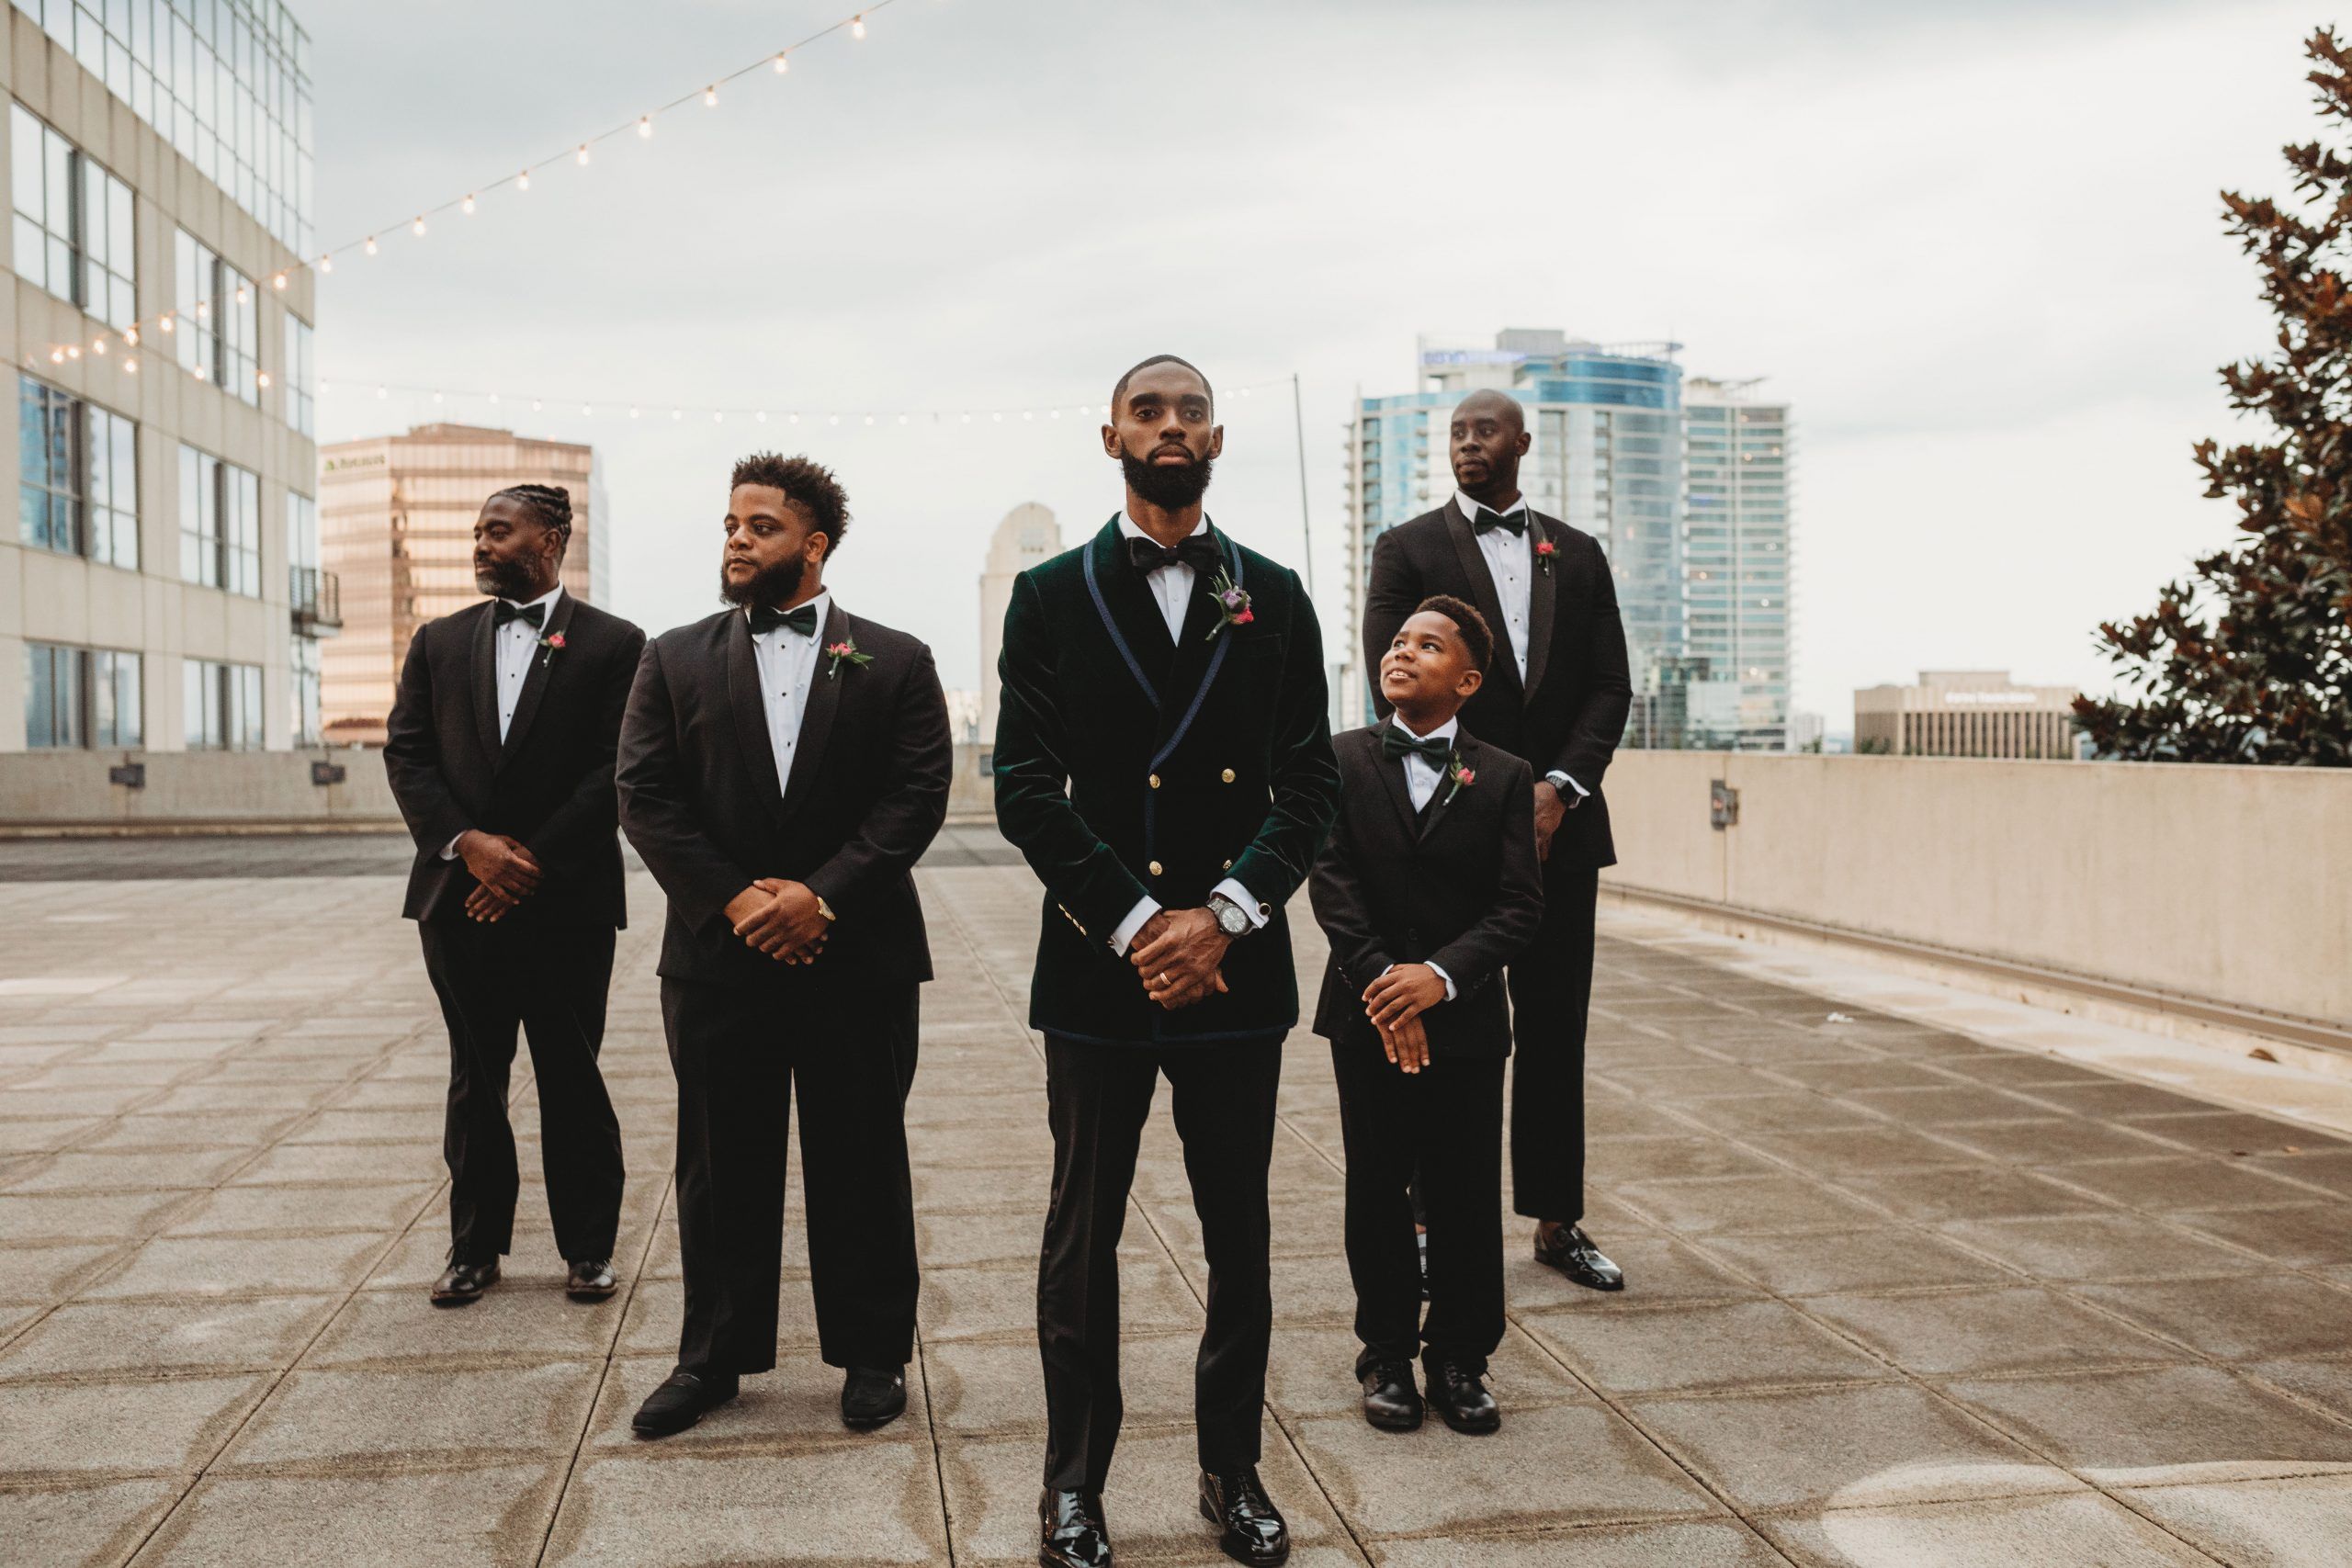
1544, 551
1232, 603
553, 643
1463, 777
845, 652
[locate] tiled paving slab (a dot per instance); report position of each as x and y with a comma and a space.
1898, 1296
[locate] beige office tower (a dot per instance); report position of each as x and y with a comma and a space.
1965, 713
396, 519
1028, 536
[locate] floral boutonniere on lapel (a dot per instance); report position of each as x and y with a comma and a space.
1232, 603
553, 643
1462, 775
845, 652
1545, 550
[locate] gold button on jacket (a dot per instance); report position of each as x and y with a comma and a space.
1229, 775
1154, 868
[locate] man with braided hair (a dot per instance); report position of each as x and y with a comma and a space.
500, 749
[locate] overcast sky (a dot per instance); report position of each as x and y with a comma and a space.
1976, 244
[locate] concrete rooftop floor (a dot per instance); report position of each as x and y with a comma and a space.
1899, 1296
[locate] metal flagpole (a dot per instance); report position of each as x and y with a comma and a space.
1306, 533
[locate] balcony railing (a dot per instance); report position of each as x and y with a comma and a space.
317, 600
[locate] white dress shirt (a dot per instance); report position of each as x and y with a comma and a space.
516, 642
1510, 561
1421, 779
1171, 589
787, 669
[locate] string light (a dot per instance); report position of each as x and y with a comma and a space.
645, 127
97, 346
371, 245
583, 154
710, 97
166, 323
262, 380
782, 65
857, 26
523, 180
417, 228
326, 264
279, 282
467, 207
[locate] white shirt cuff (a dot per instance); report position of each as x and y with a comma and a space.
1146, 907
1582, 792
449, 850
1438, 970
1247, 899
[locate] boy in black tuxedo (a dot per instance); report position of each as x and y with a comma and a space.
1428, 886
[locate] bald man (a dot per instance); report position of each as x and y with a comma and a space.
1559, 699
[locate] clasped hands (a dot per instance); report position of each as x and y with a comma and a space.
783, 919
1394, 1002
504, 867
1178, 954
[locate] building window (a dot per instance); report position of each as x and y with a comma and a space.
222, 705
216, 320
73, 223
305, 666
77, 696
219, 523
299, 390
78, 484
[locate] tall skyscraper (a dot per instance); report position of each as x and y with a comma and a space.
161, 587
1028, 536
1624, 449
396, 526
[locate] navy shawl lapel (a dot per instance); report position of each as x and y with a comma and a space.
1543, 600
482, 673
1199, 656
1129, 613
750, 708
1482, 589
535, 680
824, 701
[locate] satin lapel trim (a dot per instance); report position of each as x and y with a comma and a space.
536, 677
1105, 544
482, 671
824, 701
750, 710
1482, 584
1197, 645
1392, 779
1441, 801
1543, 603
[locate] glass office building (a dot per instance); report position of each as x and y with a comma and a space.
1735, 448
160, 589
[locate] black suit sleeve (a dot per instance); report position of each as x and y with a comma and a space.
1305, 779
656, 811
1337, 894
588, 816
412, 756
911, 797
1599, 723
1388, 601
1033, 806
1504, 930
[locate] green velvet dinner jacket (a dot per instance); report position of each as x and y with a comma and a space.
1128, 764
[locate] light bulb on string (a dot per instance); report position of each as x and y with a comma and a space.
198, 373
262, 381
523, 180
782, 65
326, 264
57, 356
131, 364
371, 245
710, 97
645, 127
582, 155
72, 351
857, 26
240, 294
467, 205
165, 322
417, 228
203, 309
130, 337
279, 282
97, 346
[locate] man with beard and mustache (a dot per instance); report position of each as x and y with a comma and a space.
1163, 760
783, 766
500, 751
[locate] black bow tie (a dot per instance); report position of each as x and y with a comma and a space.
1196, 551
802, 620
1396, 743
535, 613
1486, 522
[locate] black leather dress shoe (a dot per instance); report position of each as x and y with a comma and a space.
1074, 1534
1572, 1253
872, 1396
1461, 1398
683, 1399
1390, 1401
463, 1282
590, 1279
1253, 1528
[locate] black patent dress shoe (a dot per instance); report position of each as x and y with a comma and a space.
683, 1399
872, 1396
1390, 1401
1251, 1527
1572, 1253
1074, 1534
590, 1279
1461, 1398
463, 1282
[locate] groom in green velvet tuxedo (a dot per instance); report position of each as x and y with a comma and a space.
1163, 760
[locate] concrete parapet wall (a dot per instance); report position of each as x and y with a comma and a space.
2230, 884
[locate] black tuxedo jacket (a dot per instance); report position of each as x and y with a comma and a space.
1459, 887
550, 783
1126, 763
868, 792
1570, 712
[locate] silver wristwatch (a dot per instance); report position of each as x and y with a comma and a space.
1231, 918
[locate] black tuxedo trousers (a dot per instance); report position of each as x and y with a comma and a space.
742, 1054
551, 982
1551, 991
1098, 1098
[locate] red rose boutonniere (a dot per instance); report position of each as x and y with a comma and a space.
1232, 603
1463, 777
1544, 551
845, 652
553, 643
